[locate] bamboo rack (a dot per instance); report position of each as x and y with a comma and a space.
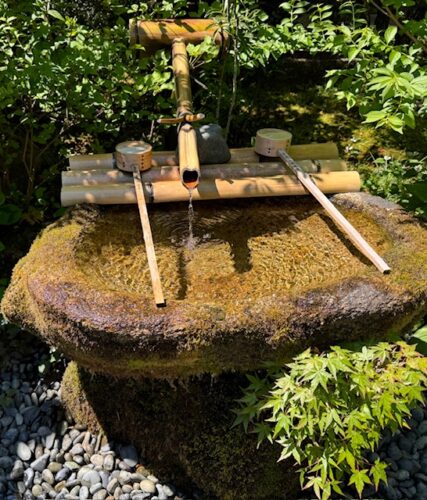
315, 151
100, 176
209, 189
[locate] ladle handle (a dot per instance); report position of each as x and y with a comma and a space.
334, 213
148, 239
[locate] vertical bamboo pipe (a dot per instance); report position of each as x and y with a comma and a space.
336, 216
181, 71
189, 165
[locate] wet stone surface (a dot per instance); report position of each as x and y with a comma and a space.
43, 454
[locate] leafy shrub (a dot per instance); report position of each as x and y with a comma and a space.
382, 46
401, 181
61, 80
327, 410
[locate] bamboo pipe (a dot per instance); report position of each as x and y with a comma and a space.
209, 189
157, 34
189, 165
221, 171
335, 215
83, 162
181, 71
322, 151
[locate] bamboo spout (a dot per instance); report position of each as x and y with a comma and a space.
189, 165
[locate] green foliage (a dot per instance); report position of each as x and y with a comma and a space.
59, 78
420, 339
401, 181
384, 71
327, 410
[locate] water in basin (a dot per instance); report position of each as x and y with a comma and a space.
240, 250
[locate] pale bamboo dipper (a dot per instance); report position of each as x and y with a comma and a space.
136, 156
148, 239
335, 215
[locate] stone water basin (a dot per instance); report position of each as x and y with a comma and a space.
259, 281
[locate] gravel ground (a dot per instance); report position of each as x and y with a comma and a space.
43, 454
406, 452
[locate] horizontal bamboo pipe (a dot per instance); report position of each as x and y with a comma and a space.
319, 151
85, 162
155, 34
357, 239
220, 171
210, 189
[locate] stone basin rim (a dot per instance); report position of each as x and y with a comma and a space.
106, 332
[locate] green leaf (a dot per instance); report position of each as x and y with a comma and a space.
55, 14
394, 57
378, 473
9, 214
359, 478
390, 33
375, 116
420, 338
352, 53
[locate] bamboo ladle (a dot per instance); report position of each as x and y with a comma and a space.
354, 235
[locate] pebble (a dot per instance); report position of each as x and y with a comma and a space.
405, 452
130, 455
23, 451
97, 460
37, 490
91, 478
77, 449
62, 474
147, 486
40, 463
84, 493
48, 476
17, 470
28, 477
67, 442
109, 463
100, 495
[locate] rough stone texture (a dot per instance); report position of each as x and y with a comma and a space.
211, 145
184, 431
119, 331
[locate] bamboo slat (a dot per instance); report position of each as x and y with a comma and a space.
210, 189
319, 151
221, 171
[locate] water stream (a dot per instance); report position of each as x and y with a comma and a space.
191, 242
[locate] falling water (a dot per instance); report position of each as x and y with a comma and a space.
191, 241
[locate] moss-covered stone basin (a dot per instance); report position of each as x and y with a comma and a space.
259, 281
